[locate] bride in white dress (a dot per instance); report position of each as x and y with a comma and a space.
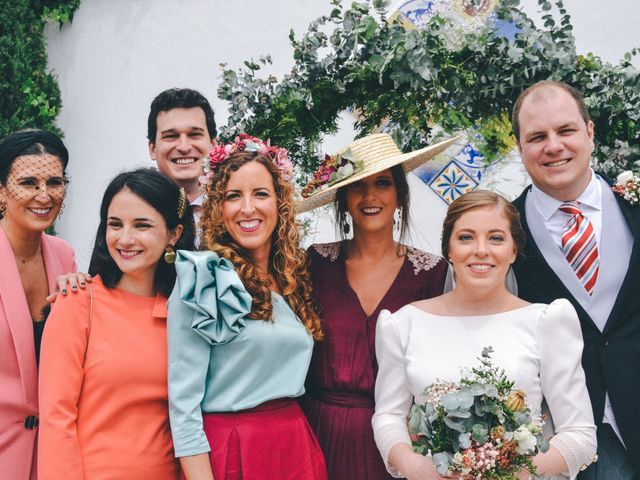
539, 346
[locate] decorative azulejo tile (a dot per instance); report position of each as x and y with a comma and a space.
452, 182
472, 162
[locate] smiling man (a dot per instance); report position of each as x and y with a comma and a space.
583, 244
181, 132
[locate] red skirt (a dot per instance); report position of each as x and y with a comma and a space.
272, 441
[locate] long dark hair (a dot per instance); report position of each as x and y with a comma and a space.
402, 191
164, 196
30, 142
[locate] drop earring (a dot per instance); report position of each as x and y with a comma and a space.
397, 221
346, 228
169, 254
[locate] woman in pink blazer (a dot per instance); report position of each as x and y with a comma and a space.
32, 188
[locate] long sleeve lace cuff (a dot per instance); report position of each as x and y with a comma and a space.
576, 454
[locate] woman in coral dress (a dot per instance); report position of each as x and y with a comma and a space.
103, 381
353, 280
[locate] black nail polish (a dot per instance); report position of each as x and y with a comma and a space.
63, 291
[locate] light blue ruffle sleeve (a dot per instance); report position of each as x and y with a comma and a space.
207, 307
210, 286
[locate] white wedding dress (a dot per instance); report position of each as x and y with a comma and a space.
539, 346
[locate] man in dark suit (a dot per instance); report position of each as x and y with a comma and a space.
583, 244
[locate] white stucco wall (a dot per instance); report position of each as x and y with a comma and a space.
116, 56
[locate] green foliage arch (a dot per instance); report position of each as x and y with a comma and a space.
353, 59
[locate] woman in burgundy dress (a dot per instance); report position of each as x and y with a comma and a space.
353, 281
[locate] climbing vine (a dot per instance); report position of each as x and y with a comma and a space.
29, 93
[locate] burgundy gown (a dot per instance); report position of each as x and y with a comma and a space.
339, 400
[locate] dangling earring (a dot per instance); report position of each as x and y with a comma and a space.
169, 254
61, 209
397, 221
346, 228
3, 209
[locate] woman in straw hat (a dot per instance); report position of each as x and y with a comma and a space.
353, 281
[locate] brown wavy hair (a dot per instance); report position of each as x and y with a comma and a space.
287, 261
480, 199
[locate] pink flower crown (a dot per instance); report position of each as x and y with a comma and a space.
244, 142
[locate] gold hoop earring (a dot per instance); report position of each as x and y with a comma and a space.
169, 254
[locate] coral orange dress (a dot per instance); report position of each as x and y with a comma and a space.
108, 418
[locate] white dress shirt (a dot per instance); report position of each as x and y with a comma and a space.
590, 203
196, 208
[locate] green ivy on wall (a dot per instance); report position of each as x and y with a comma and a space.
29, 94
353, 59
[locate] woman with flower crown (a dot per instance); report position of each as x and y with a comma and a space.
241, 326
103, 375
353, 281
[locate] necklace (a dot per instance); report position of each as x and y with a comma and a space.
28, 259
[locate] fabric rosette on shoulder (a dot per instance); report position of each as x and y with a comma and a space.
210, 286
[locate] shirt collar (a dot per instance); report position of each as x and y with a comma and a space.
547, 205
198, 201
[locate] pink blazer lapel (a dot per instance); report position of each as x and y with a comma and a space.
16, 314
53, 263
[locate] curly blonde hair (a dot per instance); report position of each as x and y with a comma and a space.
287, 261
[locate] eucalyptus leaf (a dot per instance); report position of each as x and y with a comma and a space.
453, 425
441, 462
459, 413
450, 401
466, 398
464, 440
480, 433
414, 79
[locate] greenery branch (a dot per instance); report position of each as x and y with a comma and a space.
411, 80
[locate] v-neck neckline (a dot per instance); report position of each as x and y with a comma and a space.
343, 261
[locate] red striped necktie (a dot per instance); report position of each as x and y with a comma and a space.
580, 247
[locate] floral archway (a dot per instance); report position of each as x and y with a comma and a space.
434, 80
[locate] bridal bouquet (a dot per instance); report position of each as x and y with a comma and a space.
481, 426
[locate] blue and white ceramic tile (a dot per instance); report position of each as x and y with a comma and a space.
473, 163
452, 182
418, 12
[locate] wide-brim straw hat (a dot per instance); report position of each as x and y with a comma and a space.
377, 152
